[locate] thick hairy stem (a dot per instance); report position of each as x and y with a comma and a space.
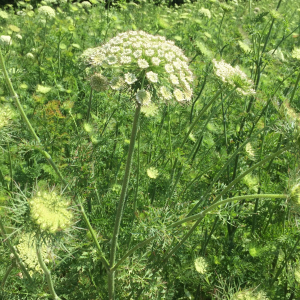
111, 273
45, 270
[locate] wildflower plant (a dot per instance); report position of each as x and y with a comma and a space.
145, 64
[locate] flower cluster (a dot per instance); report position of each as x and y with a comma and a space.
143, 63
234, 77
249, 295
205, 12
27, 252
47, 11
5, 40
201, 265
6, 114
296, 53
50, 212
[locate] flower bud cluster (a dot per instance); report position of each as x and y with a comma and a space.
6, 114
143, 62
234, 77
47, 11
201, 265
27, 252
249, 295
50, 212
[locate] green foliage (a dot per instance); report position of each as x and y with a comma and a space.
185, 155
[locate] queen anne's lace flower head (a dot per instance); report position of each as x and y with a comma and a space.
50, 212
47, 11
6, 114
296, 53
27, 252
143, 63
5, 40
234, 77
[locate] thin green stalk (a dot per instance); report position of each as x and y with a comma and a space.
286, 261
219, 33
45, 154
111, 274
10, 168
89, 105
45, 270
221, 172
199, 216
7, 273
277, 153
295, 88
14, 252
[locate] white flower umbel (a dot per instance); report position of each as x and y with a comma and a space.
5, 40
47, 11
50, 212
234, 77
143, 62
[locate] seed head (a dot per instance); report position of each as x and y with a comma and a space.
6, 114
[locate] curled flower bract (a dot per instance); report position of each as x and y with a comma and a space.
143, 63
50, 212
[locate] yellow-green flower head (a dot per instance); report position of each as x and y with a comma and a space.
296, 53
205, 12
234, 77
152, 172
3, 14
297, 273
201, 265
249, 295
50, 212
134, 57
27, 252
47, 11
6, 114
99, 82
295, 196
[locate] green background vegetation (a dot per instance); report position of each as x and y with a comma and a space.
248, 245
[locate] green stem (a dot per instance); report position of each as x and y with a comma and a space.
199, 216
285, 262
295, 88
111, 274
277, 153
89, 107
45, 270
15, 253
7, 274
45, 154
